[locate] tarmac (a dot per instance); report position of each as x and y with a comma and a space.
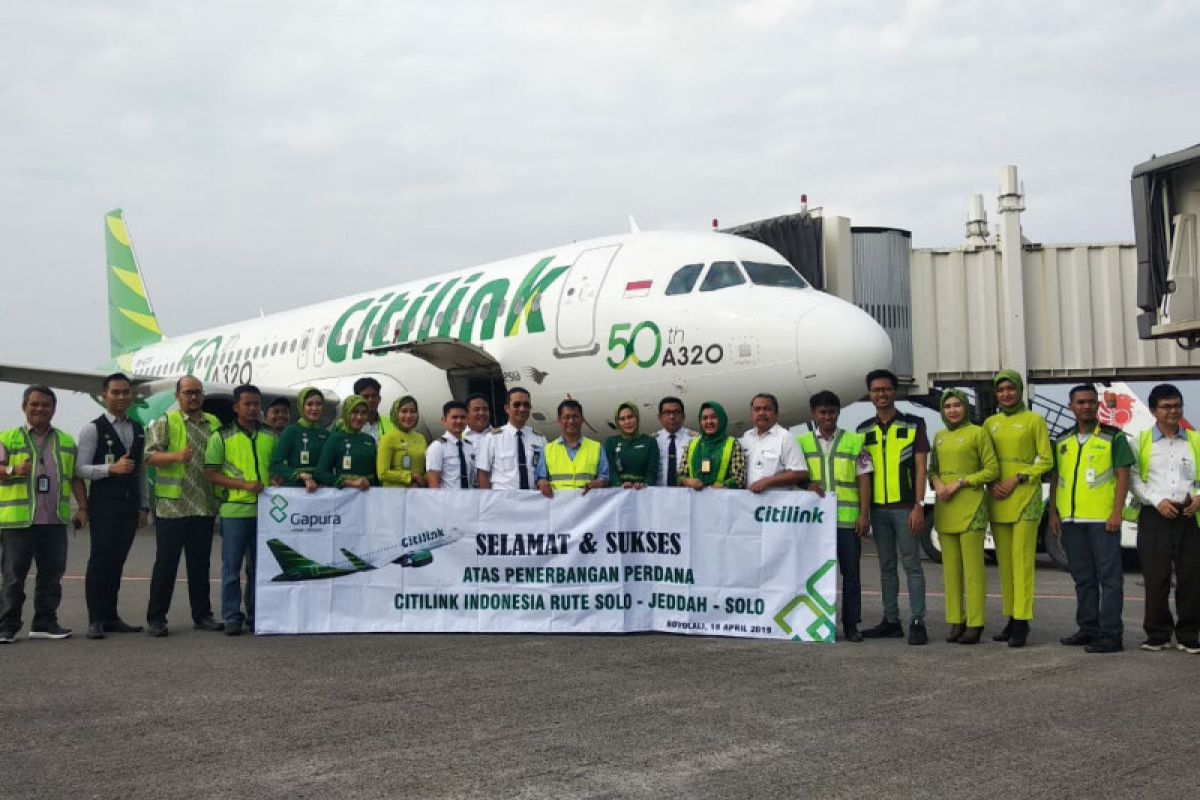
204, 715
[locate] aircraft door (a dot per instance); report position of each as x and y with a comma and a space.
318, 354
576, 324
302, 351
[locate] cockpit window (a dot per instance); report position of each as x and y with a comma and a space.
684, 279
774, 275
722, 275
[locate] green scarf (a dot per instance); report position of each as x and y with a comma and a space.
349, 404
636, 415
300, 398
961, 395
1015, 379
395, 412
710, 448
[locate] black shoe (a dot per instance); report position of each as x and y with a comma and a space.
1156, 645
884, 630
50, 632
971, 636
1104, 646
95, 630
851, 634
1020, 633
956, 632
119, 625
1077, 639
233, 629
207, 624
1191, 648
157, 629
8, 637
1006, 634
917, 633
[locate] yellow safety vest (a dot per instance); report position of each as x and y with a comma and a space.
246, 459
565, 473
836, 470
1145, 441
18, 496
722, 468
892, 456
1087, 482
168, 480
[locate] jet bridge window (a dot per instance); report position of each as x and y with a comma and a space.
722, 275
684, 279
783, 275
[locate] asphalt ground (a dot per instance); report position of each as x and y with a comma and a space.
204, 715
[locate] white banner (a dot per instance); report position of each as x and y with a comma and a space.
714, 563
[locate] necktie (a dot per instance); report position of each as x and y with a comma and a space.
462, 467
672, 463
521, 467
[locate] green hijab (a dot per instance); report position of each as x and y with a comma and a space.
1013, 377
961, 395
393, 415
348, 405
617, 416
300, 398
708, 447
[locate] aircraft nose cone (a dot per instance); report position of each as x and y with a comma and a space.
837, 345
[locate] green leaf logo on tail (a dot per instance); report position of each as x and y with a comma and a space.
131, 321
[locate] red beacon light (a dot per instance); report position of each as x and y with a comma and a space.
714, 223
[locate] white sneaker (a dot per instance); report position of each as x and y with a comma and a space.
1155, 647
53, 632
1190, 647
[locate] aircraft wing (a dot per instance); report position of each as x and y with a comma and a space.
86, 381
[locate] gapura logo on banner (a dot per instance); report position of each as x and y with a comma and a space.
300, 522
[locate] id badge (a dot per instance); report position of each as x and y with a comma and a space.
406, 462
346, 463
304, 458
108, 459
1090, 475
43, 484
706, 465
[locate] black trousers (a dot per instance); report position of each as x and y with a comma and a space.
191, 536
1166, 545
112, 528
47, 545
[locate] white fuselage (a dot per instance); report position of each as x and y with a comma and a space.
590, 320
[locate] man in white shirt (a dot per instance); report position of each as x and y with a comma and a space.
672, 439
508, 458
450, 460
773, 460
1167, 483
479, 420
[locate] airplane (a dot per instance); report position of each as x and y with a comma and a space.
300, 568
699, 315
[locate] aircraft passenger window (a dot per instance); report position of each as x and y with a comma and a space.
774, 275
469, 316
536, 303
684, 279
255, 353
274, 348
321, 340
722, 275
293, 346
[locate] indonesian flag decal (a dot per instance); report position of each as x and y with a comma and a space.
637, 289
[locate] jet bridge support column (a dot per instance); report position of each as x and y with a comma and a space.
1011, 203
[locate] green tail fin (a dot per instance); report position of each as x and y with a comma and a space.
289, 560
131, 321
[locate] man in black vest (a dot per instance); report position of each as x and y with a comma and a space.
111, 459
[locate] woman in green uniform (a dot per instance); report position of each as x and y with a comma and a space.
294, 460
348, 457
961, 464
1022, 445
632, 457
401, 459
714, 458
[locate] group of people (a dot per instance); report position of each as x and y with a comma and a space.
983, 477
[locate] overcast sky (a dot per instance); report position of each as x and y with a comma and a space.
270, 154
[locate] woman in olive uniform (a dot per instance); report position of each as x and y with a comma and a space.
961, 464
348, 457
294, 460
714, 458
1022, 445
632, 457
401, 460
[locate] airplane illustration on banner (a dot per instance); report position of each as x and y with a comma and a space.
297, 567
698, 315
